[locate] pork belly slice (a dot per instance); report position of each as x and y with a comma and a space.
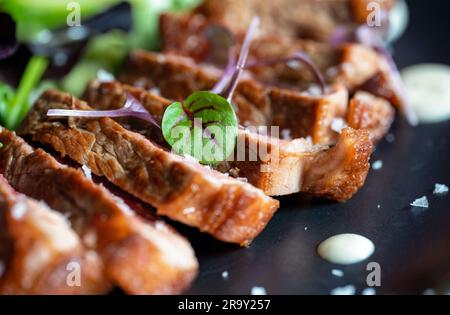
371, 113
281, 167
303, 114
140, 257
334, 173
230, 210
315, 19
40, 253
354, 65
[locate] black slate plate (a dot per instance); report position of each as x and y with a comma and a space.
412, 246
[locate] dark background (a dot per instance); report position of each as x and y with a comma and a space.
412, 245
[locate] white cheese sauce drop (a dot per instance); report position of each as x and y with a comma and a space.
428, 91
346, 248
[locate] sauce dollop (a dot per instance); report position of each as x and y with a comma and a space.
346, 248
428, 91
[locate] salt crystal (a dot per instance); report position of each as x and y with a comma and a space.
440, 189
258, 291
155, 90
286, 134
368, 291
337, 272
87, 172
294, 64
337, 124
345, 290
104, 76
189, 210
308, 139
429, 292
378, 206
90, 239
390, 138
190, 158
377, 165
421, 202
160, 226
160, 58
314, 90
225, 274
331, 72
19, 209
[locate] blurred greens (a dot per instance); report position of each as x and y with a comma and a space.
14, 105
103, 52
33, 16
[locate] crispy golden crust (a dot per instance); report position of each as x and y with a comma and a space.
371, 113
140, 257
339, 172
228, 209
40, 253
334, 173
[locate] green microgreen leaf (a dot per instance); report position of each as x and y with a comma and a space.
205, 127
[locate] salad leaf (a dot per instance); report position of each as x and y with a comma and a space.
205, 127
105, 51
14, 109
6, 97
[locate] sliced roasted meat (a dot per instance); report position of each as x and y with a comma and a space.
40, 253
348, 64
140, 257
316, 19
177, 77
355, 66
302, 113
276, 166
183, 190
285, 167
372, 113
